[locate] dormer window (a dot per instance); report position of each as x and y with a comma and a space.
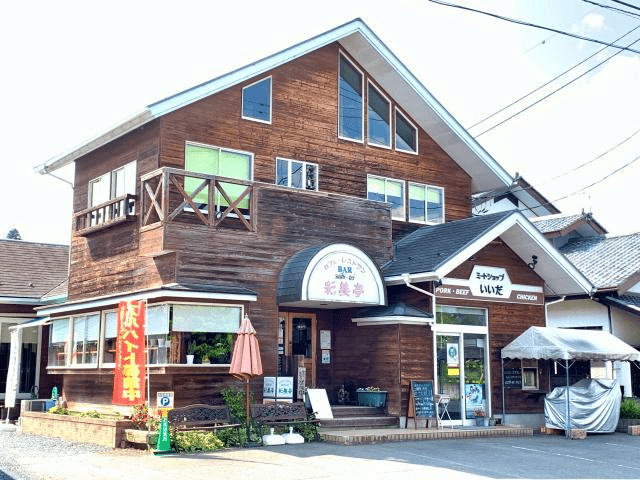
350, 100
256, 101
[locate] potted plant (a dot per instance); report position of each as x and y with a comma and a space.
191, 352
479, 413
371, 397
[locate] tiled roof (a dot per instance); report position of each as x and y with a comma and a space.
430, 247
554, 223
31, 270
605, 260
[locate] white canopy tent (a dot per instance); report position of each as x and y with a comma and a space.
552, 343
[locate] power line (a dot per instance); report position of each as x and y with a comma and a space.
528, 24
626, 4
584, 188
554, 91
552, 80
624, 12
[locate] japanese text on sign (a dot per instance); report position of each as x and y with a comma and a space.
130, 369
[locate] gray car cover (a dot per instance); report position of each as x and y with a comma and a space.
594, 406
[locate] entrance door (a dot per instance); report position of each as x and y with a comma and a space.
461, 373
300, 332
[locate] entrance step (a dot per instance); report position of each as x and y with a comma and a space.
354, 417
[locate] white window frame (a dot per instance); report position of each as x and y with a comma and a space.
259, 120
426, 210
362, 113
103, 333
71, 343
530, 364
403, 217
216, 147
390, 111
304, 173
397, 112
67, 354
112, 183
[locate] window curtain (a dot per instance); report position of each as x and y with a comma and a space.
204, 318
200, 160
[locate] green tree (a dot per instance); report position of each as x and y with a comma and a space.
14, 234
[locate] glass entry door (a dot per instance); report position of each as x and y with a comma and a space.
461, 375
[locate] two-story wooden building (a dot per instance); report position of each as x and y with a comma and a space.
324, 192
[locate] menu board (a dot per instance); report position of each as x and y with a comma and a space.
421, 401
513, 378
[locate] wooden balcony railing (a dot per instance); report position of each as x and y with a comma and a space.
105, 215
208, 199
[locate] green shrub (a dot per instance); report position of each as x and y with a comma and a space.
197, 441
629, 408
234, 399
91, 414
59, 411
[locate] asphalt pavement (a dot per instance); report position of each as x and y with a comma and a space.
611, 456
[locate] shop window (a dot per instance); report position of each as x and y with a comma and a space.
86, 329
406, 134
350, 101
387, 190
426, 203
256, 101
206, 331
294, 174
221, 162
109, 186
461, 316
378, 118
530, 374
58, 341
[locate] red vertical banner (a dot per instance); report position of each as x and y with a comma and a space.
130, 372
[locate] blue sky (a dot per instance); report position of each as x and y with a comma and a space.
74, 69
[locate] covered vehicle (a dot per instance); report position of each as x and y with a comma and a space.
594, 404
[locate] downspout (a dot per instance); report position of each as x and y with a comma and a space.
546, 309
407, 282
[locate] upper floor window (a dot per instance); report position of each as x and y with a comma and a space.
256, 101
406, 134
387, 190
294, 174
378, 118
113, 184
217, 161
426, 203
350, 101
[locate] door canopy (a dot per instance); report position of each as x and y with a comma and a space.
331, 276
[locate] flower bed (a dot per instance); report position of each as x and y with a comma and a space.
101, 431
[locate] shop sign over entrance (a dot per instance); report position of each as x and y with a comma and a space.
343, 274
490, 282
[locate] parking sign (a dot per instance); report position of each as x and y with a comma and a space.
165, 399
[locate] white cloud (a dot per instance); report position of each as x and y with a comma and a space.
593, 21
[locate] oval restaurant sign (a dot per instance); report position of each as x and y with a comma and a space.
490, 284
342, 273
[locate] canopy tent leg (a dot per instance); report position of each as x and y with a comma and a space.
504, 418
568, 429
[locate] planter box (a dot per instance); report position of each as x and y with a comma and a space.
625, 423
107, 432
372, 399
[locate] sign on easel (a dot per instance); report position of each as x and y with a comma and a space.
421, 401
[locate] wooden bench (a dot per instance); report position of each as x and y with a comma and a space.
201, 417
280, 414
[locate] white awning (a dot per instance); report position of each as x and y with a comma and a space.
36, 322
553, 343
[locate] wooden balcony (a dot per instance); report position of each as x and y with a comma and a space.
212, 200
105, 215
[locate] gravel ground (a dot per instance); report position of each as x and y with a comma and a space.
20, 450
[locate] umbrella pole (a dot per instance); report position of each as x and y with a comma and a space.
246, 403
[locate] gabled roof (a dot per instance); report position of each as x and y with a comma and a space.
29, 270
562, 224
356, 38
431, 252
607, 261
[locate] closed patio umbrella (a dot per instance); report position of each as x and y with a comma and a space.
245, 361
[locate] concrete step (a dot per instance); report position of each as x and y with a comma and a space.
379, 421
341, 411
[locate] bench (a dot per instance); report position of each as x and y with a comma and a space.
201, 417
280, 414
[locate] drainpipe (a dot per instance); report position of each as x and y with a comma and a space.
546, 308
407, 281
